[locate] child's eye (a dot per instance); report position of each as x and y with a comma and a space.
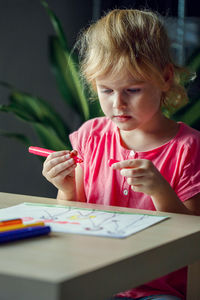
133, 90
107, 91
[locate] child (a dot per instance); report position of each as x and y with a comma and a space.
126, 59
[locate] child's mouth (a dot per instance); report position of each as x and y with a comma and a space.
121, 118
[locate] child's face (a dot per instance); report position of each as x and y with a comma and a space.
128, 103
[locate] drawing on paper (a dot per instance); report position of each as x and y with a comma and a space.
70, 219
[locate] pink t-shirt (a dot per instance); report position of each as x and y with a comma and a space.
178, 161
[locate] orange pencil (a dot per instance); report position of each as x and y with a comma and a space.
20, 226
10, 222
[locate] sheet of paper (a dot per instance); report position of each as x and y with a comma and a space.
81, 221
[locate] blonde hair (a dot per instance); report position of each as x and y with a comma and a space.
135, 40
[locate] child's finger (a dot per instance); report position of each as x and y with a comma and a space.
60, 173
61, 153
130, 163
57, 154
55, 160
135, 181
60, 167
133, 172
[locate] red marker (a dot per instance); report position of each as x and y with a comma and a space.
45, 152
112, 161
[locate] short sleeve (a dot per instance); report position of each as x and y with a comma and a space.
79, 139
189, 181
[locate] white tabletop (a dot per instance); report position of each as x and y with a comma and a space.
69, 266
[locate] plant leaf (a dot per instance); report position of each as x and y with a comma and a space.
18, 136
49, 138
194, 61
192, 114
64, 67
68, 78
34, 109
56, 24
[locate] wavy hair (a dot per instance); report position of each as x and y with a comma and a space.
136, 40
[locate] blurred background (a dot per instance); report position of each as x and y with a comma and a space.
24, 63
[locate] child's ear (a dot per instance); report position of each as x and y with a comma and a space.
168, 77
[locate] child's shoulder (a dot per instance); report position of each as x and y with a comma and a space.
188, 132
188, 135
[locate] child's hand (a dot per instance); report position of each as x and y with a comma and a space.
59, 169
142, 175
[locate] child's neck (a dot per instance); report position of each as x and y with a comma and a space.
145, 140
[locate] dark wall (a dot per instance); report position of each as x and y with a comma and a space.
169, 7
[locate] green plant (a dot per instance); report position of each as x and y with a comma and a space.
51, 129
190, 114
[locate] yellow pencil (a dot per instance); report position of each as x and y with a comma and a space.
13, 227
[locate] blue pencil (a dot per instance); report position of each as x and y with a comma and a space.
23, 233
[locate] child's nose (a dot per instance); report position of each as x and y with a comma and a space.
118, 101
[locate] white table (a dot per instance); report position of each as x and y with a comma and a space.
68, 266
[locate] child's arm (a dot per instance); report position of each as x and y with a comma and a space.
168, 200
59, 169
144, 177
